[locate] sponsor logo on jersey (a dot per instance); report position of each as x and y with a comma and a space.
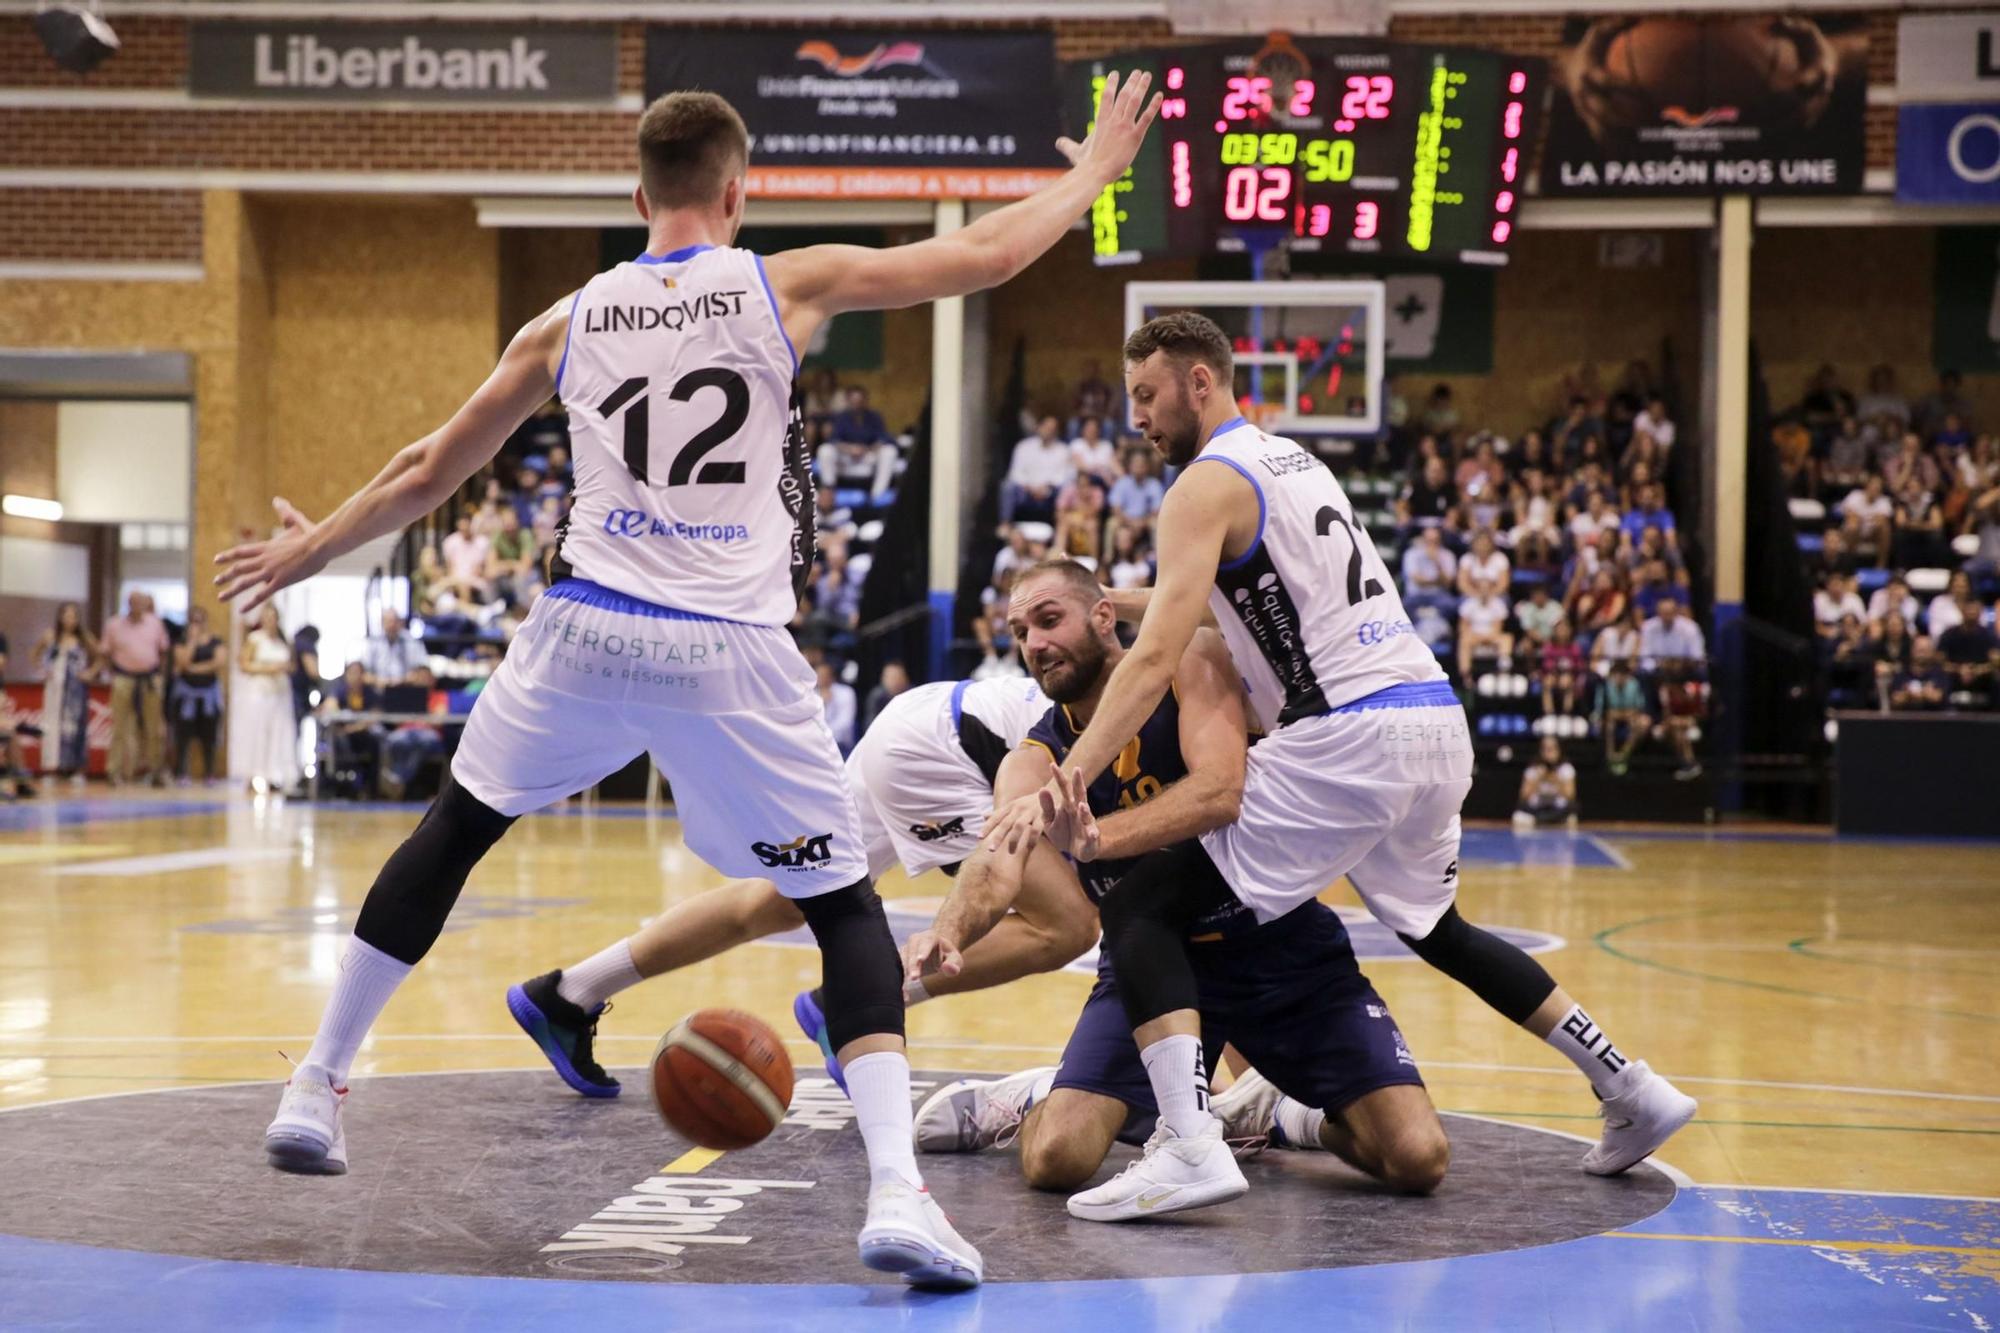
1292, 460
1371, 632
802, 853
934, 832
673, 317
634, 523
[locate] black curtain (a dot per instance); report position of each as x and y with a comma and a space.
975, 569
901, 572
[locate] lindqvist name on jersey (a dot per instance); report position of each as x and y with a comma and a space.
675, 317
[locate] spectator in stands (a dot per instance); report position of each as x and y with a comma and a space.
1441, 414
1983, 521
66, 658
1671, 637
1482, 631
1421, 456
990, 628
1090, 454
410, 745
821, 398
1910, 464
1530, 455
1590, 480
1131, 565
547, 518
265, 753
1883, 399
1644, 452
1538, 615
1833, 556
1946, 400
391, 657
1548, 789
511, 559
1835, 601
1651, 584
856, 465
1924, 685
894, 680
14, 783
1979, 466
1825, 401
355, 744
1038, 470
1892, 598
194, 702
1850, 662
1430, 572
1485, 570
1016, 555
1594, 517
1847, 454
1480, 470
1971, 653
837, 698
427, 581
1136, 496
1943, 611
1429, 501
556, 473
1094, 397
465, 555
1601, 605
1889, 643
1621, 715
857, 422
1683, 702
1561, 672
1918, 539
1650, 512
1616, 642
1655, 425
135, 649
1080, 521
1867, 515
1573, 431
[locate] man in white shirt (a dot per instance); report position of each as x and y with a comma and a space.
1039, 469
1835, 602
1867, 514
1090, 453
1670, 637
1482, 632
1653, 421
1485, 571
1430, 572
1894, 596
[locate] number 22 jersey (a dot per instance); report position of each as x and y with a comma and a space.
693, 483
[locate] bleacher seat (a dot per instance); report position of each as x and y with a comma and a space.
1870, 579
1965, 545
1809, 513
1928, 581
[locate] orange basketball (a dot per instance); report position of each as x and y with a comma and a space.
721, 1078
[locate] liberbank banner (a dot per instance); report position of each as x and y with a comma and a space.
444, 62
1709, 104
905, 112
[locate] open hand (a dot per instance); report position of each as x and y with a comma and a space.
262, 568
1123, 116
928, 952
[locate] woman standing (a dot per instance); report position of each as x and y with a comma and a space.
68, 656
265, 751
194, 705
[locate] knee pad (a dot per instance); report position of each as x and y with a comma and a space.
861, 976
406, 909
1497, 972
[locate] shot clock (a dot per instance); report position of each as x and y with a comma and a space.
1326, 145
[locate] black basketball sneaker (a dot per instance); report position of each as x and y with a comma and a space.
563, 1031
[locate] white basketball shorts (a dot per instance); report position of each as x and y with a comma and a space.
922, 798
728, 711
1371, 791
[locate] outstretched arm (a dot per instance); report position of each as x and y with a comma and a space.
816, 282
417, 480
988, 882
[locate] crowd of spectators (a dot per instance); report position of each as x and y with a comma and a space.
1898, 503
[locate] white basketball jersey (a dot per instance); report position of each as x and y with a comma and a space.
1310, 612
1010, 707
693, 482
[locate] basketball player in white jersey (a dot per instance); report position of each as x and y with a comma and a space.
683, 558
1365, 763
922, 782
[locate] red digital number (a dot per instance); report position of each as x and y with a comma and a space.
1368, 97
1367, 218
1510, 121
1517, 83
1302, 98
1501, 231
1176, 76
1239, 194
1320, 221
1246, 97
1251, 195
1183, 173
1510, 165
1504, 202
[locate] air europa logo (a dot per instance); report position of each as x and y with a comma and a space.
828, 57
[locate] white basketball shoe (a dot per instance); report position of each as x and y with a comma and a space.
306, 1135
1248, 1111
908, 1233
973, 1113
1637, 1120
1172, 1175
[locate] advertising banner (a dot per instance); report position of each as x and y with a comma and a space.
21, 705
908, 112
1710, 104
1948, 114
417, 62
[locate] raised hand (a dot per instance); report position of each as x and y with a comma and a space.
262, 568
1123, 116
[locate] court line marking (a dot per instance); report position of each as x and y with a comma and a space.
691, 1161
1611, 853
1681, 1179
1802, 946
1750, 1124
1879, 1246
166, 863
972, 1044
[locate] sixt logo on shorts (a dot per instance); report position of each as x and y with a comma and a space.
638, 523
950, 828
801, 853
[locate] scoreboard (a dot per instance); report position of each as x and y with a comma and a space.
1336, 145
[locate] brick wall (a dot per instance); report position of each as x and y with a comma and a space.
153, 226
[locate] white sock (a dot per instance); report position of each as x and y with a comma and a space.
879, 1086
1180, 1083
1299, 1125
914, 993
599, 977
368, 977
1589, 1049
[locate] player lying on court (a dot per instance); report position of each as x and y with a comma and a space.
1333, 1071
681, 563
1365, 761
922, 782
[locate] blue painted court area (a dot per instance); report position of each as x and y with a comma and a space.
35, 816
1714, 1258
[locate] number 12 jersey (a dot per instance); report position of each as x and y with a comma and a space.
1310, 612
693, 483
